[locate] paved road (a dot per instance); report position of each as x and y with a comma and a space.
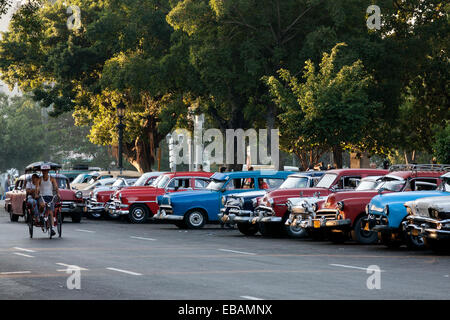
158, 261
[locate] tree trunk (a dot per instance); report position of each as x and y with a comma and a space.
337, 156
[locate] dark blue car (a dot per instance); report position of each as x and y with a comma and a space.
193, 209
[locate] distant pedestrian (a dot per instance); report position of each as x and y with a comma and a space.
200, 168
6, 186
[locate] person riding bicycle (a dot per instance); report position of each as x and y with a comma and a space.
32, 193
47, 187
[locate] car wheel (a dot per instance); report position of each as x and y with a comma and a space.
138, 214
194, 219
76, 217
247, 228
414, 242
364, 236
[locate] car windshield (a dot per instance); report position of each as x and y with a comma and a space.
163, 181
80, 178
62, 183
295, 183
141, 181
118, 183
367, 185
215, 185
326, 181
392, 185
445, 185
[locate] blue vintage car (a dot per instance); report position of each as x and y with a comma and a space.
386, 214
193, 209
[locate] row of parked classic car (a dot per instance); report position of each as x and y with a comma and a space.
405, 205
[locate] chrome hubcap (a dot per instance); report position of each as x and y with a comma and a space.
196, 219
138, 214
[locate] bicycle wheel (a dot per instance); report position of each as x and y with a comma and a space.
30, 224
59, 223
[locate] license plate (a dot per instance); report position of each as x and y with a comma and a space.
294, 223
316, 224
415, 232
366, 227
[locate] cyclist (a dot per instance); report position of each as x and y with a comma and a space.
47, 188
32, 194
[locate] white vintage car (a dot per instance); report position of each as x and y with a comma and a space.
430, 218
302, 211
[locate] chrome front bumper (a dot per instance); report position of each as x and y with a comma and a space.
116, 208
162, 214
234, 215
427, 227
265, 214
93, 206
71, 206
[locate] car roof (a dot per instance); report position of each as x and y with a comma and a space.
249, 174
349, 171
415, 174
308, 174
190, 174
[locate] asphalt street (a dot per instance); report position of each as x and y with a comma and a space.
119, 260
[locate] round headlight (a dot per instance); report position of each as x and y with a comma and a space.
434, 214
386, 210
270, 200
79, 195
367, 209
340, 205
224, 200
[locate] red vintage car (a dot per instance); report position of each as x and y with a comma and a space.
100, 198
139, 203
342, 214
72, 201
272, 209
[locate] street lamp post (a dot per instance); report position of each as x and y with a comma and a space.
120, 126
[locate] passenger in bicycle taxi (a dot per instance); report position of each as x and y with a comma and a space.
32, 194
47, 188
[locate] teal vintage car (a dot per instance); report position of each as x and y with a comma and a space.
192, 209
386, 214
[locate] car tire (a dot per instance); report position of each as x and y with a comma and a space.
248, 229
195, 219
138, 214
293, 232
76, 217
363, 236
413, 242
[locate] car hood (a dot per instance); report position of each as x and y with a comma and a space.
402, 197
248, 195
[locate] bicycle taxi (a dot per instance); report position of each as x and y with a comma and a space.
42, 220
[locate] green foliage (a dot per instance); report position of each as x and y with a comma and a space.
330, 108
441, 145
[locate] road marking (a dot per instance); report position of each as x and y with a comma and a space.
23, 254
82, 230
15, 272
142, 238
240, 252
353, 267
251, 298
125, 271
22, 249
70, 266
